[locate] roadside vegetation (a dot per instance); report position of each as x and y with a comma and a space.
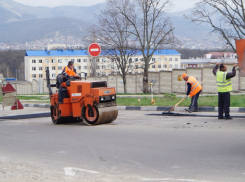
30, 98
165, 100
171, 99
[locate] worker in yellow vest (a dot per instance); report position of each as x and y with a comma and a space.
194, 89
223, 79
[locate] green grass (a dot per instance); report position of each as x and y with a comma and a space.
166, 100
32, 98
171, 99
134, 94
29, 98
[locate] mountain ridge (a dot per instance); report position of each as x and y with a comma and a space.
24, 17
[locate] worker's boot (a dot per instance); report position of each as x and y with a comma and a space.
188, 110
228, 117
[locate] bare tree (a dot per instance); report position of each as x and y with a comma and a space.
226, 17
116, 40
148, 25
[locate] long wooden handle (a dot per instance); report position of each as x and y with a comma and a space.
180, 101
203, 81
171, 109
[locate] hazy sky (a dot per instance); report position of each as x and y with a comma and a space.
178, 4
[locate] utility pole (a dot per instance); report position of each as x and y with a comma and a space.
7, 71
94, 59
95, 68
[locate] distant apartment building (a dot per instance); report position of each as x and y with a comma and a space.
219, 55
36, 62
194, 63
199, 63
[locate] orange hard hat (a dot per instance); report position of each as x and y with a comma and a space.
184, 75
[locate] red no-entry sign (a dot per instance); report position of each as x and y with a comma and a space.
94, 50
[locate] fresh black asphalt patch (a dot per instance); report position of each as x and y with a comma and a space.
27, 116
188, 115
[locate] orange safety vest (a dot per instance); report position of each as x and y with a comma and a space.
63, 84
195, 85
69, 71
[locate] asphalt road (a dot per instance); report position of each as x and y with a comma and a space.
136, 147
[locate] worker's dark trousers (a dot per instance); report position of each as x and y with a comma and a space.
224, 104
194, 104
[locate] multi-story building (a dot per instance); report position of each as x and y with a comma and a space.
36, 62
199, 63
219, 55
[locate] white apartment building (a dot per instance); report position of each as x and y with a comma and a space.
36, 62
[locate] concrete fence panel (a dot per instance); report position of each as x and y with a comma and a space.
139, 83
209, 86
112, 81
45, 88
120, 87
154, 77
165, 81
35, 86
196, 72
91, 78
178, 86
23, 87
131, 84
103, 78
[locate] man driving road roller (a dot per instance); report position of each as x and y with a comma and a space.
68, 72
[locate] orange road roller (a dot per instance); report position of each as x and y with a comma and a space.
89, 101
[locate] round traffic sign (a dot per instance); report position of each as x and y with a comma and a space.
94, 50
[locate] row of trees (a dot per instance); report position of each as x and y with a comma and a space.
12, 61
128, 27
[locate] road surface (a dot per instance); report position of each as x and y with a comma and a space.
136, 147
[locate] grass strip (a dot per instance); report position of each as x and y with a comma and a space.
171, 99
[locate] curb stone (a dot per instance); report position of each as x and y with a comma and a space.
153, 108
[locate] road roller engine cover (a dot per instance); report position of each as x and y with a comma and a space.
90, 101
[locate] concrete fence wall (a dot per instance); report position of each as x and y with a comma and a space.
165, 82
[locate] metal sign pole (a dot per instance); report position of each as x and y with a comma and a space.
16, 96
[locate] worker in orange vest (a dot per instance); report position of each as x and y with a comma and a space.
68, 72
194, 89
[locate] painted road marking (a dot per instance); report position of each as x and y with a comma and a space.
70, 171
171, 179
96, 49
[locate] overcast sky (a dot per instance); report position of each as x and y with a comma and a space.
179, 5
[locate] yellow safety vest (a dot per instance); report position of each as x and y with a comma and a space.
223, 84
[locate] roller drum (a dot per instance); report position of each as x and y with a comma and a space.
101, 115
107, 114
